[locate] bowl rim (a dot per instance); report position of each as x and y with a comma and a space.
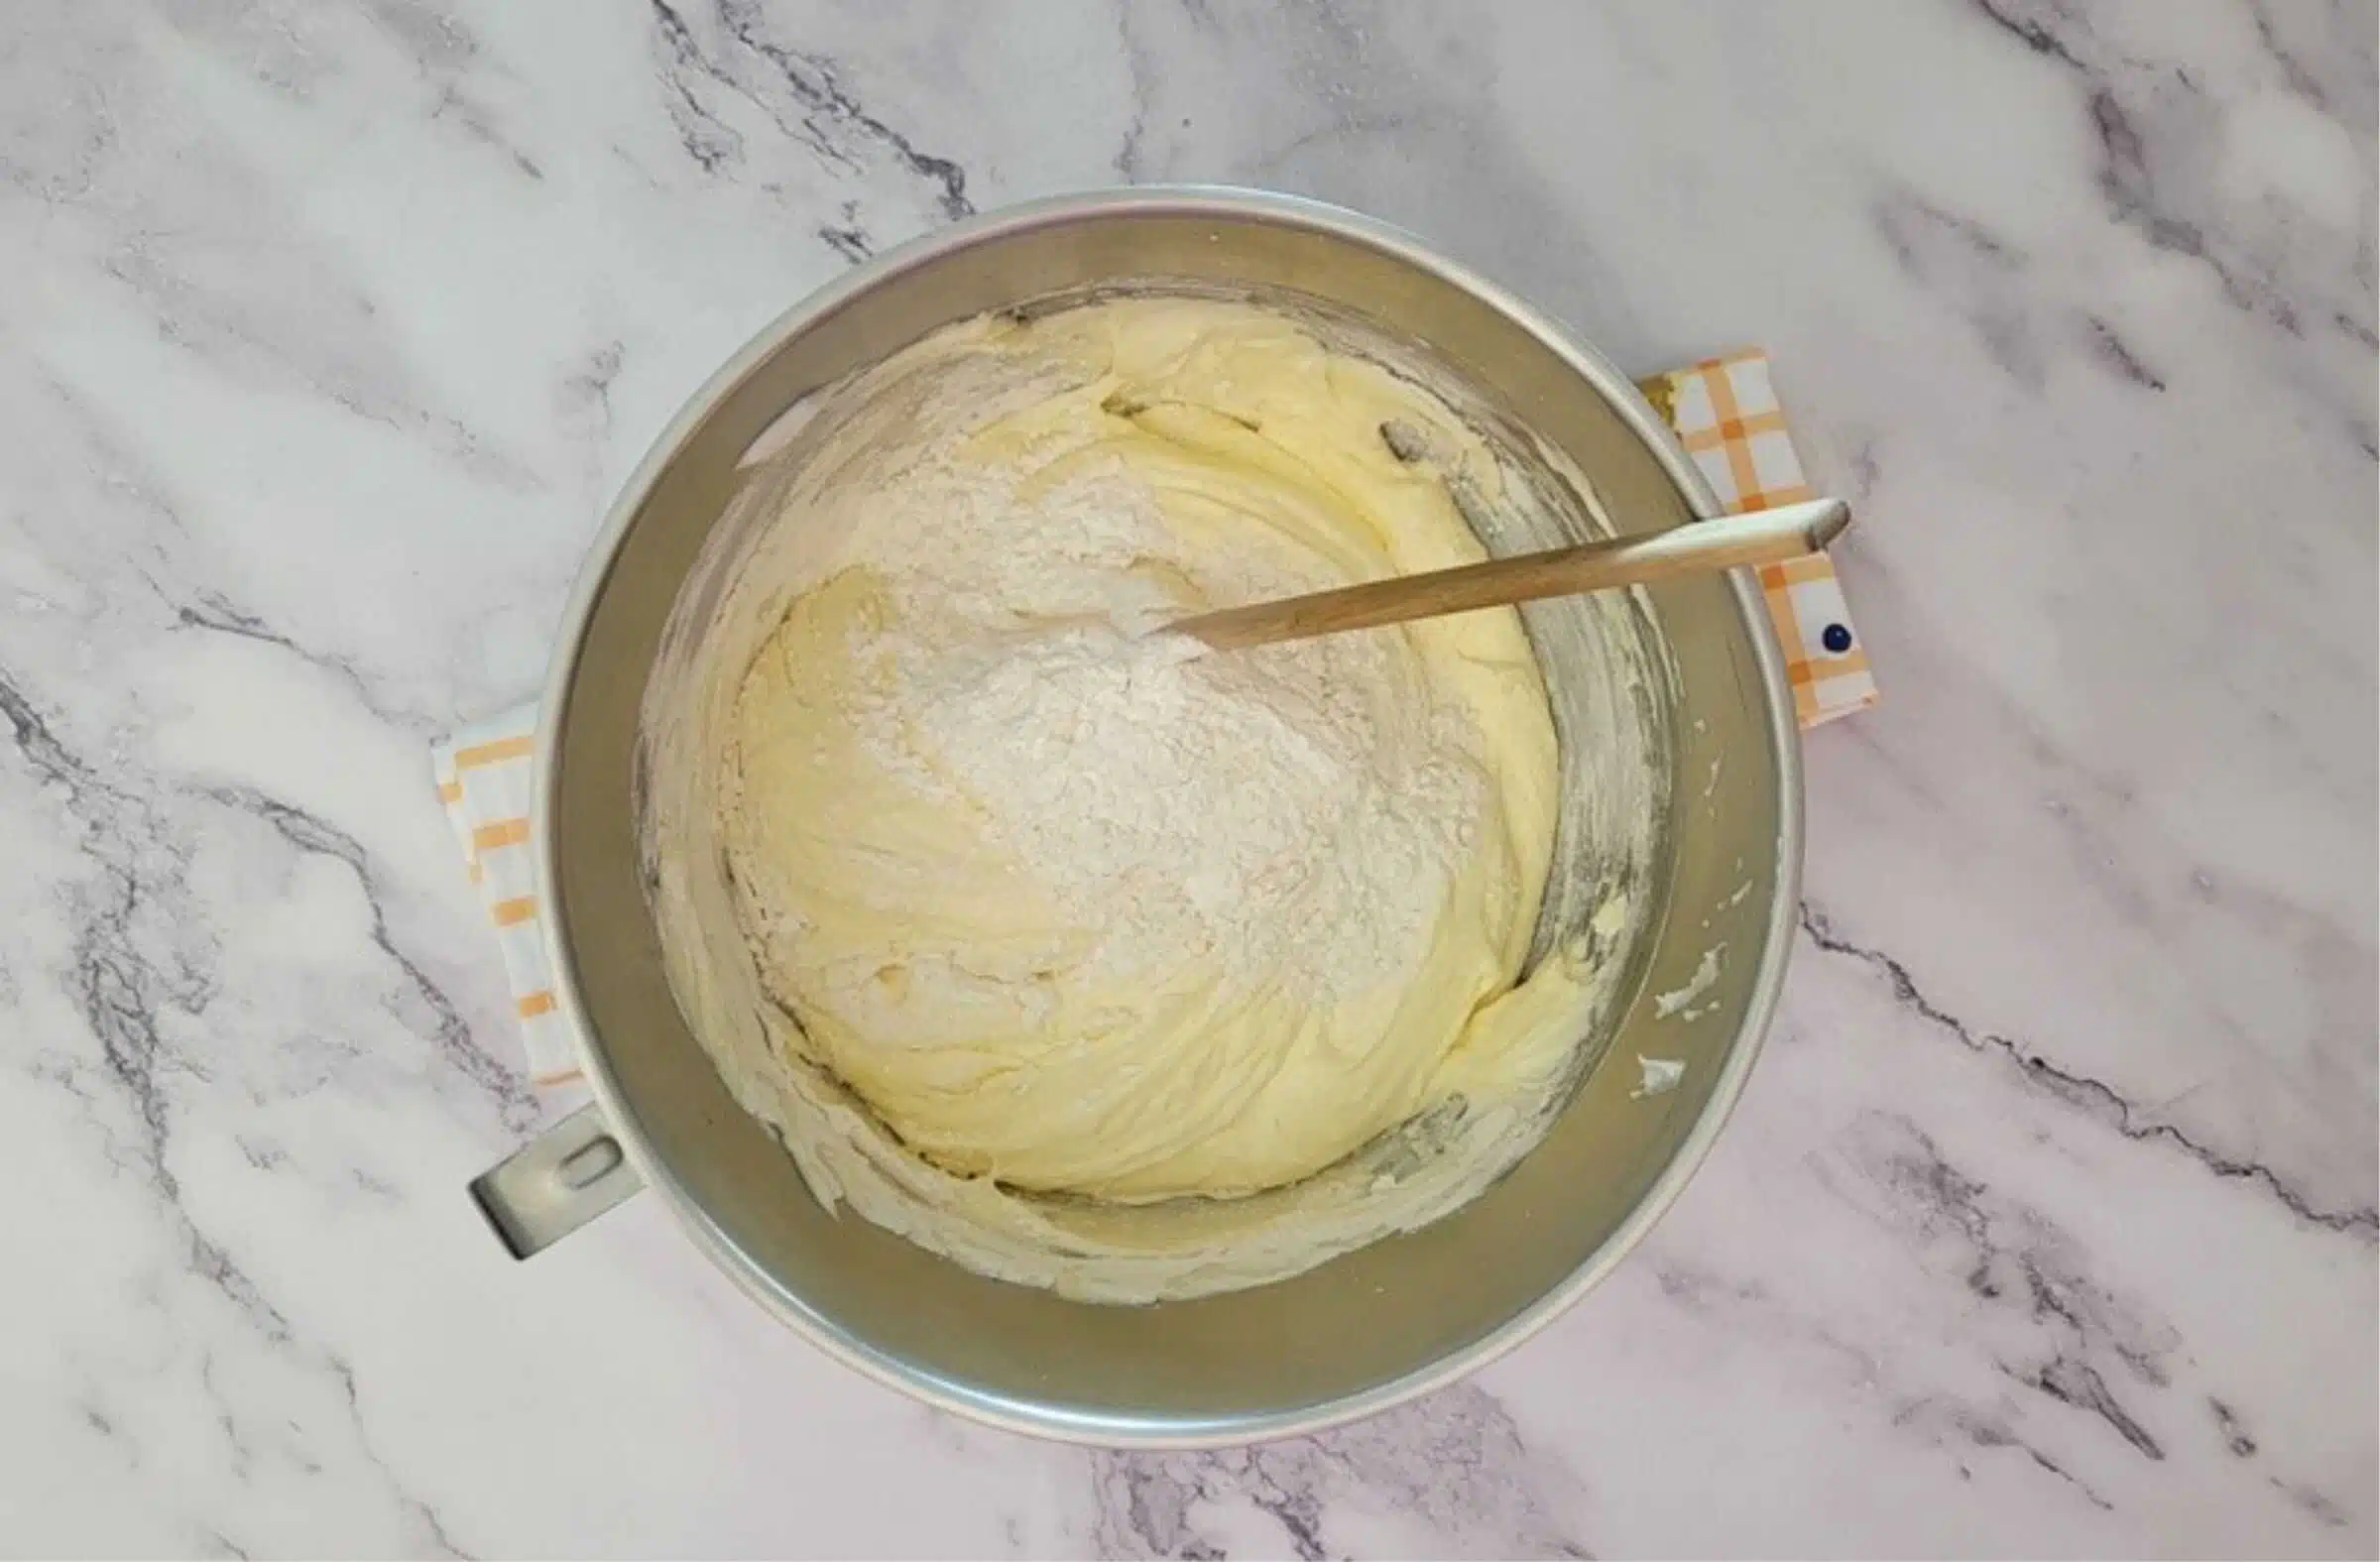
1119, 1431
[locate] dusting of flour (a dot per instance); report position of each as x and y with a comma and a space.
1261, 804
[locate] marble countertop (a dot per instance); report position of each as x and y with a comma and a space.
2046, 1226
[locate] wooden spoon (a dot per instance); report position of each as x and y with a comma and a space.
1765, 536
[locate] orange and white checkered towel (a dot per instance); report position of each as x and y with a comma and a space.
486, 775
1726, 414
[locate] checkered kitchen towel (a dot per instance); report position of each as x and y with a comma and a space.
485, 775
1726, 414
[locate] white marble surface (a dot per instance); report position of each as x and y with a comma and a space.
2048, 1224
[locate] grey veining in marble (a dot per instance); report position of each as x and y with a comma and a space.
2047, 1225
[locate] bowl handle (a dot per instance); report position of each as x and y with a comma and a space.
555, 1183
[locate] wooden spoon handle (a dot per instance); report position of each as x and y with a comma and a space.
1764, 537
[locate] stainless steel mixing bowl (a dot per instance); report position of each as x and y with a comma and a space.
1367, 1329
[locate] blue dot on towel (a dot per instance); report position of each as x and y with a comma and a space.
1837, 638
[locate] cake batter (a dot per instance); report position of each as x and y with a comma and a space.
1085, 958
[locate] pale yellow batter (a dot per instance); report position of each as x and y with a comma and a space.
1038, 904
